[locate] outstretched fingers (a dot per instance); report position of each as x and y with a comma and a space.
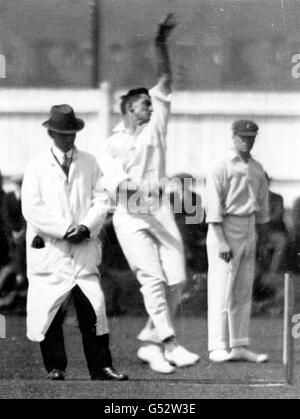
169, 23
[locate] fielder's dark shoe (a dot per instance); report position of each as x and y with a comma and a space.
109, 374
56, 375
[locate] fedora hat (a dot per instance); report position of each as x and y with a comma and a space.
63, 120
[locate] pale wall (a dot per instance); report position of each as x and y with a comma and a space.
199, 130
22, 112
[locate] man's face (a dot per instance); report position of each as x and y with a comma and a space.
142, 109
64, 142
243, 144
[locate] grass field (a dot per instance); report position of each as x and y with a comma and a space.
22, 374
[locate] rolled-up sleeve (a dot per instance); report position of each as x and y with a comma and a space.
263, 214
213, 204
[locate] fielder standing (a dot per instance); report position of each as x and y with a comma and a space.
237, 206
134, 163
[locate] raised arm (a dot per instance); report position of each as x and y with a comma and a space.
165, 28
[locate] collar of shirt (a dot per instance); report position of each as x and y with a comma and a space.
233, 155
60, 154
120, 128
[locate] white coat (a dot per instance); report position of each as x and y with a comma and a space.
51, 203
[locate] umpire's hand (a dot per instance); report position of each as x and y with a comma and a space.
77, 234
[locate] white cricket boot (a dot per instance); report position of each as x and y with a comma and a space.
153, 355
244, 354
219, 355
181, 357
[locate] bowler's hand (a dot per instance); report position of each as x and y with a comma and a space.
166, 27
225, 252
77, 234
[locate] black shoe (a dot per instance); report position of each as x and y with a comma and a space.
56, 375
109, 373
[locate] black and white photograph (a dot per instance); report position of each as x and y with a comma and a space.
149, 202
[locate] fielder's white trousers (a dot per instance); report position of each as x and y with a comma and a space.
230, 284
153, 247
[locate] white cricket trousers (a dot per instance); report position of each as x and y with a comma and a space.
153, 247
230, 284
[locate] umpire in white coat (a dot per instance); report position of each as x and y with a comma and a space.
65, 206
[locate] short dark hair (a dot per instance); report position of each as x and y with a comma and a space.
131, 97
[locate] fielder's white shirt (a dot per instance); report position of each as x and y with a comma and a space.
236, 187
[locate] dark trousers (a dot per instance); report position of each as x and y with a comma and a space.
96, 348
